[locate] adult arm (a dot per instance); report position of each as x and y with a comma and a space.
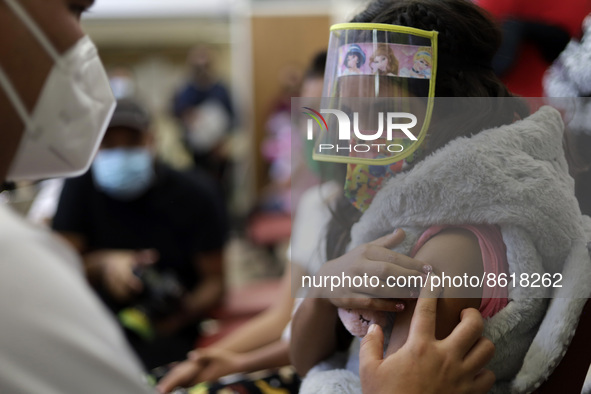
265, 328
211, 289
211, 233
203, 297
425, 364
212, 363
111, 269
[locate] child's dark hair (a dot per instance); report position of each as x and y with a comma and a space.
467, 41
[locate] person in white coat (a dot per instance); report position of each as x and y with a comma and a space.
55, 335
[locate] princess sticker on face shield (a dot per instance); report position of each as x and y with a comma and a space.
421, 65
354, 60
409, 61
383, 61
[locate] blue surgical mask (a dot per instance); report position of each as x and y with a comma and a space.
123, 173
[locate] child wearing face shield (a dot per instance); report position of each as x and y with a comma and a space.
151, 238
461, 199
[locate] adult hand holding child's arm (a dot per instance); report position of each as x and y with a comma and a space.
316, 325
424, 364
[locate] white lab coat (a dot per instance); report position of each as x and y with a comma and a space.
56, 337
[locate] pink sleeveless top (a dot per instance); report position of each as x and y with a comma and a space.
494, 260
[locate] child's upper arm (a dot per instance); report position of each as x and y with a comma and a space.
454, 252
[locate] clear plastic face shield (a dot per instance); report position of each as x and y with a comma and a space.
377, 97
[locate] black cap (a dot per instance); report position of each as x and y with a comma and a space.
130, 114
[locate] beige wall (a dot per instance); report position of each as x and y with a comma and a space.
155, 51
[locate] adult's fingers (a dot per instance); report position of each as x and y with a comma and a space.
378, 253
390, 240
392, 268
367, 279
483, 382
467, 332
147, 257
181, 375
371, 350
133, 284
480, 354
122, 283
376, 304
202, 357
117, 291
119, 285
122, 292
422, 325
367, 272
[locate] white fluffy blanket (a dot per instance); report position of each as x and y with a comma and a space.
514, 176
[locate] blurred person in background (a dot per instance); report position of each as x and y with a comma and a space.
206, 114
276, 147
300, 171
151, 238
122, 81
269, 222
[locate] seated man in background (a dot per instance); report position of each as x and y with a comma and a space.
151, 238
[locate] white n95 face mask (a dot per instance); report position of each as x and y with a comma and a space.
65, 129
